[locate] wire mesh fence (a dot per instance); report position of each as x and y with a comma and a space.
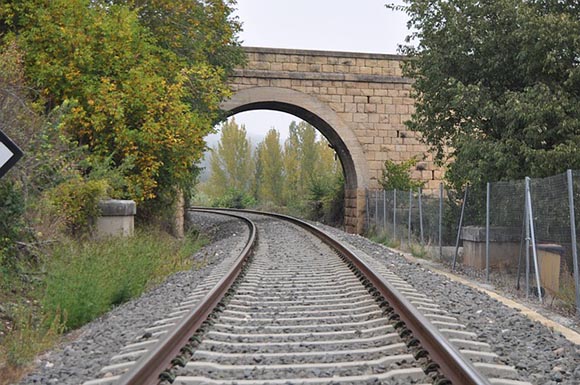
520, 231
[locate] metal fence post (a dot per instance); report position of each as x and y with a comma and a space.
487, 232
376, 208
573, 238
394, 215
533, 236
527, 230
421, 217
441, 220
410, 216
459, 227
384, 211
367, 209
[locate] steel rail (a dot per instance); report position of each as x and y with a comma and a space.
147, 369
452, 364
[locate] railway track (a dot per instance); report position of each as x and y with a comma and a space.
312, 313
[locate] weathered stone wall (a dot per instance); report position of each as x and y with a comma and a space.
368, 94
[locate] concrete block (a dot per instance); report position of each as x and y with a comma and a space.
504, 247
116, 219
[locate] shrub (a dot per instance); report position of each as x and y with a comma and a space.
234, 199
11, 222
397, 176
326, 200
76, 202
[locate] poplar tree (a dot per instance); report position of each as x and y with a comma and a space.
292, 167
231, 161
271, 177
300, 158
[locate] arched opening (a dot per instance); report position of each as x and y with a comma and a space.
316, 113
329, 124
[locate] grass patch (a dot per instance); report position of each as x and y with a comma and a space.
418, 251
79, 281
383, 238
30, 333
87, 280
566, 296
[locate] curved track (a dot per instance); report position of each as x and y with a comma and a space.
314, 313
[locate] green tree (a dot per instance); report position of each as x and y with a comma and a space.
203, 34
198, 31
301, 155
313, 174
231, 161
291, 159
327, 166
496, 85
271, 177
397, 176
325, 189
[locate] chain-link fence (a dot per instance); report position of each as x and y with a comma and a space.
517, 231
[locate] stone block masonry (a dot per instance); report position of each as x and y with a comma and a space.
359, 101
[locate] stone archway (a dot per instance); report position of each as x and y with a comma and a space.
327, 121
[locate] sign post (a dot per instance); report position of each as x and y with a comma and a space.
9, 154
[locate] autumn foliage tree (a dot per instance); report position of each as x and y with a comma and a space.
270, 173
140, 82
301, 157
231, 161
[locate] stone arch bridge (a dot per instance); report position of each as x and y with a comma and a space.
358, 101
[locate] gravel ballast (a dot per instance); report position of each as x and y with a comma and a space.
540, 355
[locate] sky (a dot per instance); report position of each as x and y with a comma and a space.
327, 25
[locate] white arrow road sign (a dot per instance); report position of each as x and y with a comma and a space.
9, 154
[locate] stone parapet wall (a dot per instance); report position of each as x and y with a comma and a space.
275, 59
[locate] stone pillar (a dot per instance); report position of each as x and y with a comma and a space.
350, 211
116, 219
354, 210
361, 196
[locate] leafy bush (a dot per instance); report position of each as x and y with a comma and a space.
397, 176
333, 203
326, 200
235, 199
11, 223
76, 202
